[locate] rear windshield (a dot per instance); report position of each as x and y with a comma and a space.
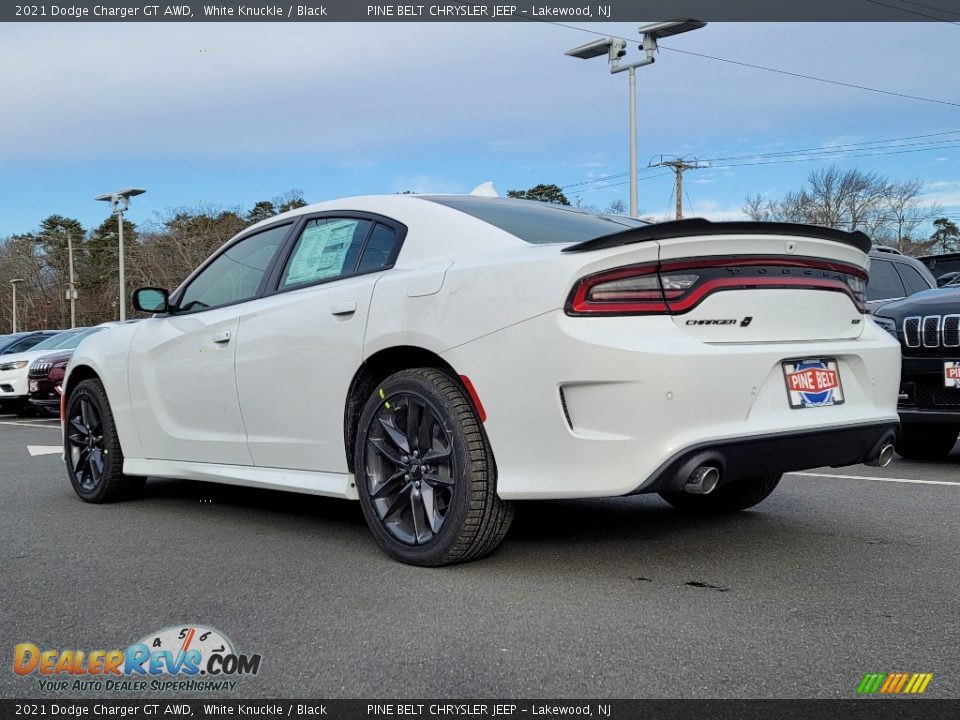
539, 222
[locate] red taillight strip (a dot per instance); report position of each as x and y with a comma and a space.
578, 304
769, 283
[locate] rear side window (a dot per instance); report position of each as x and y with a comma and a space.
912, 279
539, 223
884, 283
380, 249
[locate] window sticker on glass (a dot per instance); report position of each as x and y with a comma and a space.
321, 252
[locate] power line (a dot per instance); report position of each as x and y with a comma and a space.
840, 83
843, 155
831, 152
881, 145
931, 7
765, 68
914, 12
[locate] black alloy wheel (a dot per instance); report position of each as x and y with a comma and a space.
411, 470
91, 447
85, 447
425, 472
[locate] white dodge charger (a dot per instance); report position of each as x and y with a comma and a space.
437, 357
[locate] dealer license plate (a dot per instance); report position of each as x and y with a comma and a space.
951, 373
813, 383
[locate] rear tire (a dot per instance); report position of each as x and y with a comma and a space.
425, 472
91, 449
920, 441
729, 497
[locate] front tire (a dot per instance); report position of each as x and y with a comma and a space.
425, 473
92, 448
920, 441
729, 497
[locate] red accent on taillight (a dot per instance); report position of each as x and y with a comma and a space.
711, 286
667, 300
472, 392
640, 302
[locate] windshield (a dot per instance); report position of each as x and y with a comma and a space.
539, 222
59, 340
69, 340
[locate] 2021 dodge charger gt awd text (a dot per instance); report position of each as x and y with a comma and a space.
465, 352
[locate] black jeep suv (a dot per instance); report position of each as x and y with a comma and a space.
928, 327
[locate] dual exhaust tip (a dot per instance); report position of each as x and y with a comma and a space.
702, 481
705, 478
883, 456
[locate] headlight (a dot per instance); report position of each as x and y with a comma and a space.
888, 324
18, 365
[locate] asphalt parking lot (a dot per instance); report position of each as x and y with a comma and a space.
839, 573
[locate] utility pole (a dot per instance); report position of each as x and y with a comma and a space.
72, 292
679, 166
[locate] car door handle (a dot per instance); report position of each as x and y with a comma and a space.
221, 338
344, 308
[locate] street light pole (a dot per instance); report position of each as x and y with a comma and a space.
634, 200
123, 279
14, 283
616, 48
119, 202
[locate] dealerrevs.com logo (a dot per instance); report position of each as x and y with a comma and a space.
179, 658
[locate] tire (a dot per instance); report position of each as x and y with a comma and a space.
729, 497
448, 513
920, 441
91, 449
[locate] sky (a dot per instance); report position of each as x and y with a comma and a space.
223, 115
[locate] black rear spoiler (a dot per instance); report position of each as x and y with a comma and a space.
699, 226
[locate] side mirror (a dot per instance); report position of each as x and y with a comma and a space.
151, 300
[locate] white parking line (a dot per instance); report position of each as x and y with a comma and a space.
35, 450
23, 424
880, 479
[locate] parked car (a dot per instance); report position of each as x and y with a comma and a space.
927, 326
948, 278
894, 276
21, 342
14, 390
45, 373
464, 352
942, 263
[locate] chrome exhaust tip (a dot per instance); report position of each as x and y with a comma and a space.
883, 457
702, 481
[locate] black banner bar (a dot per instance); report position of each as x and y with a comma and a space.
864, 709
476, 11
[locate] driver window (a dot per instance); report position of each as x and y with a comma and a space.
236, 274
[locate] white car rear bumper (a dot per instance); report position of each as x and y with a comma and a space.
595, 407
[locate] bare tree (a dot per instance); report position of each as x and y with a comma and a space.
617, 206
889, 212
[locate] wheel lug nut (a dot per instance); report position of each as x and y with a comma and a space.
405, 458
